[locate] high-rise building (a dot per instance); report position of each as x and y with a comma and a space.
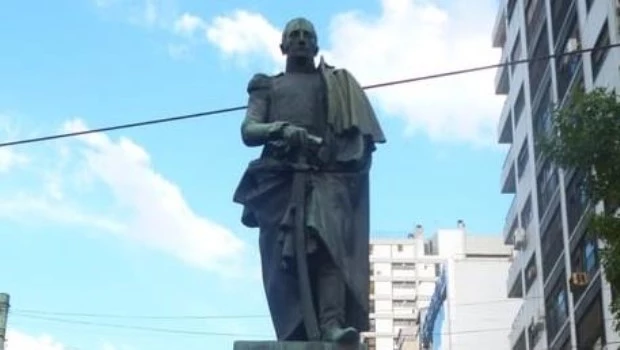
556, 271
470, 309
403, 273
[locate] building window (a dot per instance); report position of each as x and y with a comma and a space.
552, 243
437, 269
557, 308
535, 16
590, 256
511, 9
598, 56
590, 327
538, 67
519, 105
526, 213
547, 183
404, 284
585, 259
577, 200
430, 248
530, 273
522, 159
542, 116
400, 248
559, 15
515, 55
567, 65
403, 266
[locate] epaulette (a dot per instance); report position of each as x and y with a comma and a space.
258, 82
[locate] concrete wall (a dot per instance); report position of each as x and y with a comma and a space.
478, 314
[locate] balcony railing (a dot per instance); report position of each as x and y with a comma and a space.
510, 220
535, 24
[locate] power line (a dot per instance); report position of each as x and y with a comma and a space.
135, 317
206, 333
36, 312
203, 333
367, 87
138, 328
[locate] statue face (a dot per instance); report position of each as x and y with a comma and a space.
299, 39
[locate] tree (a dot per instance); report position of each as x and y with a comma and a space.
586, 137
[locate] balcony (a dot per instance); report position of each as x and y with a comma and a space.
508, 179
514, 283
510, 222
499, 28
535, 18
502, 80
518, 325
530, 315
504, 127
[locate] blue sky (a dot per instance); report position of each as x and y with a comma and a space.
141, 221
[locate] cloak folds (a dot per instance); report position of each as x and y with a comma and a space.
336, 206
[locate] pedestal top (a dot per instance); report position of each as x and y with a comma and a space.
277, 345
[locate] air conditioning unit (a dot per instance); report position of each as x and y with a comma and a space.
579, 280
538, 322
572, 45
519, 237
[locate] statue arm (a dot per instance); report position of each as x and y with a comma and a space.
256, 130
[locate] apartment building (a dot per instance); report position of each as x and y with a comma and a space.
470, 309
556, 271
403, 273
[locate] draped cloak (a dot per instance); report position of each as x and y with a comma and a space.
336, 206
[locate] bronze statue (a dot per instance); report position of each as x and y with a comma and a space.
308, 192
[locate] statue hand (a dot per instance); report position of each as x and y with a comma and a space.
295, 135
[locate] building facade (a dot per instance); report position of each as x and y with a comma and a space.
403, 273
470, 309
555, 272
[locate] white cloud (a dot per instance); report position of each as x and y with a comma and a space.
17, 340
111, 186
188, 24
158, 214
245, 33
409, 38
9, 158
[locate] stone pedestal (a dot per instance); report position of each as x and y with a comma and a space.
276, 345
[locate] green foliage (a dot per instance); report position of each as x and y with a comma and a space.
586, 136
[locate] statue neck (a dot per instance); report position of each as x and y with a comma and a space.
300, 65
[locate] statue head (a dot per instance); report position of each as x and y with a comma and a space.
299, 39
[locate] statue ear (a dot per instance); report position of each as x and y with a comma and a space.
283, 48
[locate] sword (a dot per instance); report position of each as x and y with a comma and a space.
305, 291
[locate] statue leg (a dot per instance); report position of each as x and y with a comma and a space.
331, 294
331, 300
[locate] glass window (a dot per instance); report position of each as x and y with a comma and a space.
598, 56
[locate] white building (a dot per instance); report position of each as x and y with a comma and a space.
470, 309
545, 220
403, 273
